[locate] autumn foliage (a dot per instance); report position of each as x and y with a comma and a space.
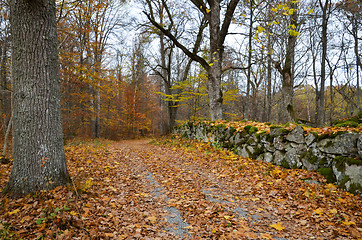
122, 190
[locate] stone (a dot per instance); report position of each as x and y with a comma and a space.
291, 150
269, 147
279, 143
237, 138
243, 152
359, 146
310, 138
292, 158
354, 172
308, 165
345, 144
268, 157
278, 157
296, 135
278, 131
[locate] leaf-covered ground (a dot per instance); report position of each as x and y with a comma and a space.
177, 189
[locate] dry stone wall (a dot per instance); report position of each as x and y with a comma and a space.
337, 156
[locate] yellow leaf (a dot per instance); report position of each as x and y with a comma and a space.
228, 217
278, 226
310, 11
210, 64
214, 230
318, 211
73, 213
207, 10
306, 193
348, 223
260, 29
14, 212
333, 211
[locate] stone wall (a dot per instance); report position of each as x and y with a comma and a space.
336, 156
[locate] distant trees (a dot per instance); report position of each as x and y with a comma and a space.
212, 11
258, 60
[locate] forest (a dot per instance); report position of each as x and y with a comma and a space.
180, 119
136, 68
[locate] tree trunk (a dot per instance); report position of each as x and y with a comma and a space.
288, 114
269, 89
6, 138
321, 102
5, 105
214, 72
358, 60
38, 149
248, 81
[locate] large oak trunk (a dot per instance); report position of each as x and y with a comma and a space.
38, 150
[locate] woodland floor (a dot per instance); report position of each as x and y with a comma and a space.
177, 189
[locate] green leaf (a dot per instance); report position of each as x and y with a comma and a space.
39, 221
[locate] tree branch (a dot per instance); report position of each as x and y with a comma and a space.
227, 20
191, 55
200, 5
235, 68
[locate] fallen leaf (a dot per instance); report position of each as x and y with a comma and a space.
278, 226
318, 211
152, 219
347, 223
266, 236
14, 212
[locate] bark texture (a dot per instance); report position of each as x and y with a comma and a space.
38, 150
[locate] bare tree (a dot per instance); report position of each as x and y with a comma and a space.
217, 32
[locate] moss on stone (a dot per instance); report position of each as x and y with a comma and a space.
342, 184
315, 134
330, 136
309, 157
355, 188
250, 129
328, 174
340, 162
282, 131
329, 144
269, 138
260, 135
258, 150
322, 136
253, 129
323, 162
347, 124
284, 164
232, 130
247, 128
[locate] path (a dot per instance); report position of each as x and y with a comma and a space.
134, 190
167, 193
